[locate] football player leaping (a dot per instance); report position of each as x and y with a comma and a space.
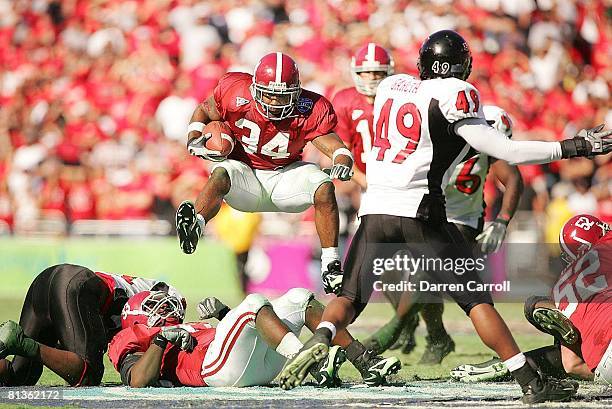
69, 315
578, 313
272, 118
248, 347
464, 208
423, 128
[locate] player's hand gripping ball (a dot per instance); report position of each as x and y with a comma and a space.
215, 144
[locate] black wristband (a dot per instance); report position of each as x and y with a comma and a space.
160, 341
502, 221
577, 146
223, 312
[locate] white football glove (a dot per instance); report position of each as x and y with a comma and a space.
178, 336
212, 307
493, 236
196, 147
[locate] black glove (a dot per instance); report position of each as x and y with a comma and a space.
587, 143
212, 307
177, 336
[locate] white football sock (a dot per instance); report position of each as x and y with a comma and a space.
328, 255
516, 362
331, 327
289, 346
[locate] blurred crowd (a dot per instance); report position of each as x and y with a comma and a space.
96, 95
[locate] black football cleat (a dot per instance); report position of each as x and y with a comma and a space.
187, 227
436, 350
375, 369
549, 390
326, 371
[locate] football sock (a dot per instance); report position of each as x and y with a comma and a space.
355, 350
202, 222
328, 255
548, 359
521, 370
326, 328
289, 346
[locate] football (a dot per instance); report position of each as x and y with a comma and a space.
219, 138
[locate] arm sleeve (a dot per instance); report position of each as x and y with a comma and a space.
482, 137
126, 365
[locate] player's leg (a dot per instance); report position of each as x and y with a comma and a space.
230, 180
250, 347
78, 296
543, 314
36, 325
489, 325
547, 359
301, 185
357, 287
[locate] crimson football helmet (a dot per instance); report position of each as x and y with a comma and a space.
276, 86
580, 233
153, 309
370, 58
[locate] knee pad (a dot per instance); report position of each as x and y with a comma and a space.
255, 302
529, 306
299, 296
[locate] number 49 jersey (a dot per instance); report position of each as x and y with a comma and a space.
583, 293
415, 147
464, 192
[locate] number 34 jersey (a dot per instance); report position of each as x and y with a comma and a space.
415, 147
262, 143
583, 293
464, 192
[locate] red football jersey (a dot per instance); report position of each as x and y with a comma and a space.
266, 144
584, 295
355, 123
179, 367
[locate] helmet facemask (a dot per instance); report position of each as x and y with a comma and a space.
368, 87
275, 101
162, 309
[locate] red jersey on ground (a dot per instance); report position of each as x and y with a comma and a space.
178, 367
584, 295
266, 144
355, 123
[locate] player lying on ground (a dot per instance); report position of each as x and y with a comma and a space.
422, 129
272, 119
578, 314
249, 346
465, 209
69, 316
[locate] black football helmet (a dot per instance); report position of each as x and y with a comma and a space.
444, 54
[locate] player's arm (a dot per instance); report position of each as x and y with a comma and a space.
574, 364
204, 113
484, 138
142, 370
360, 178
510, 177
332, 146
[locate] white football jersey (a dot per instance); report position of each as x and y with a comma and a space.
415, 147
465, 190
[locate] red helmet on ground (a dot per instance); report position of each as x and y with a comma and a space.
276, 86
580, 233
153, 309
371, 58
